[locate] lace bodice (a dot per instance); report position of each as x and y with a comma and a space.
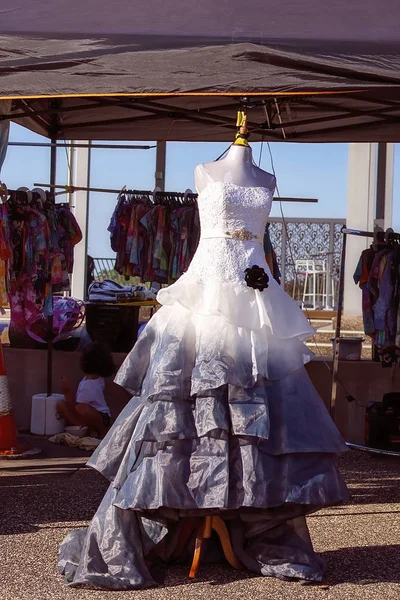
226, 206
229, 208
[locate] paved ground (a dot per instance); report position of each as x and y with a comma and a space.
41, 499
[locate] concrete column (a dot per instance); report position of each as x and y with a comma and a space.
81, 178
369, 204
161, 154
384, 186
360, 215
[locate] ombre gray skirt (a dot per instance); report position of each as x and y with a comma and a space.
223, 420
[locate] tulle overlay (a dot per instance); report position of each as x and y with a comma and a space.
223, 420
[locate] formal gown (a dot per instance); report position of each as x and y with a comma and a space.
223, 419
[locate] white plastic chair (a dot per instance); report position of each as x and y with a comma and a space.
315, 282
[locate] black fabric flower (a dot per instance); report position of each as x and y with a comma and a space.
256, 278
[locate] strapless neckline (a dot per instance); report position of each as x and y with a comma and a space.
213, 184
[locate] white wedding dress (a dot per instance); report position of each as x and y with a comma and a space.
223, 419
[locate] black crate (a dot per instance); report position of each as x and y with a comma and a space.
382, 423
116, 326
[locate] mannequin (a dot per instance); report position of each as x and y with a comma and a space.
237, 167
224, 429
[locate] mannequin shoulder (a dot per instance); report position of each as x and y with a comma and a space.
268, 180
201, 177
272, 183
199, 170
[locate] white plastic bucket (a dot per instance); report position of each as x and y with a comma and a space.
349, 348
44, 419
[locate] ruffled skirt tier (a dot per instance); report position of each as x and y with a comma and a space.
223, 420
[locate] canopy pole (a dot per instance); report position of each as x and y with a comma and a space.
53, 174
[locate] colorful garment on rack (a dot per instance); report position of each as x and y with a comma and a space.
69, 233
41, 237
361, 276
136, 248
396, 287
129, 236
377, 275
5, 255
185, 236
154, 241
157, 224
381, 287
115, 226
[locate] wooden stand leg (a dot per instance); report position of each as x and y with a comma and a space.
204, 532
189, 526
197, 550
221, 529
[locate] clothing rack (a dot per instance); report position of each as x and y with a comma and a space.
6, 194
389, 236
67, 189
6, 191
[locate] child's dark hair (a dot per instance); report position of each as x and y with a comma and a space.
97, 360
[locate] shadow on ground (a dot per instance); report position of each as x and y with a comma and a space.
54, 493
47, 495
363, 565
357, 565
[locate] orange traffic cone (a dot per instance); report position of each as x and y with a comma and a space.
8, 431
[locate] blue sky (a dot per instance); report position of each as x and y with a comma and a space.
303, 170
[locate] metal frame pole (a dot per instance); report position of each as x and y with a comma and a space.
77, 145
53, 174
335, 380
335, 369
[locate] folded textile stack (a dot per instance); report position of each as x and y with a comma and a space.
110, 291
66, 439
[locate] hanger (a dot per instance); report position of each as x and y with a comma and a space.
379, 238
389, 235
186, 195
50, 200
155, 192
3, 192
42, 196
28, 194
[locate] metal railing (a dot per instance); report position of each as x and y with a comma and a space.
297, 239
104, 269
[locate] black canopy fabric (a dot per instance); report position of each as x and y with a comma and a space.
314, 71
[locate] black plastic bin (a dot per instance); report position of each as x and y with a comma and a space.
116, 326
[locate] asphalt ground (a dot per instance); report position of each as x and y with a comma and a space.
43, 498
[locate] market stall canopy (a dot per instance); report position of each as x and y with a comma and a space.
314, 71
